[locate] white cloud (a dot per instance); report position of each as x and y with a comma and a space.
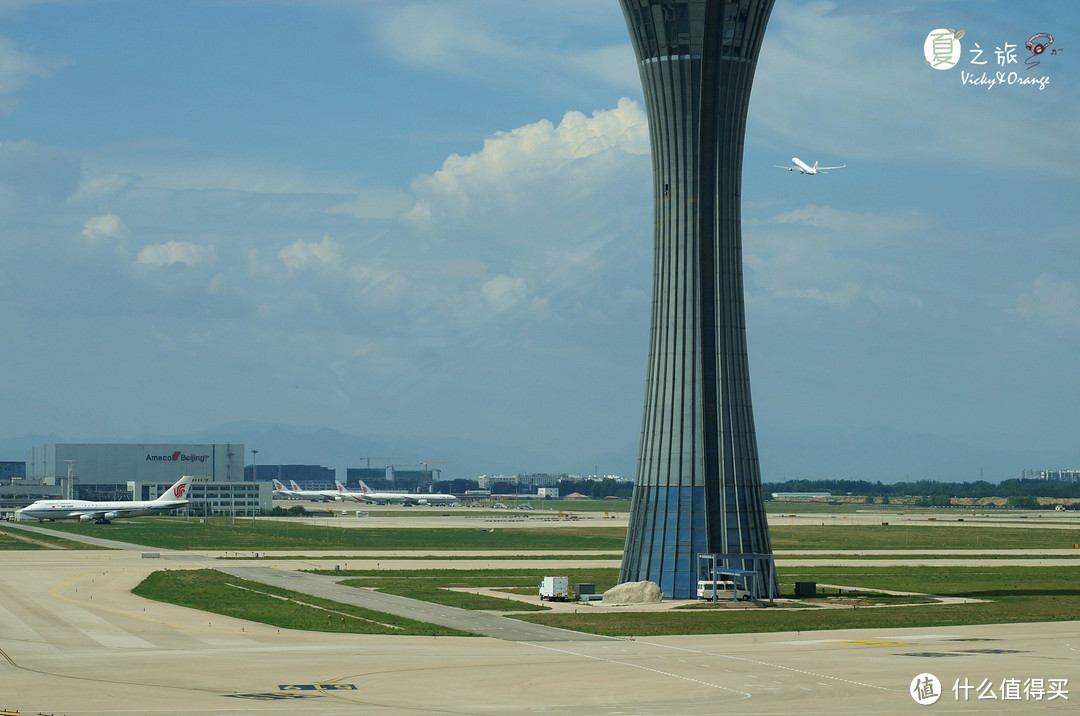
107, 226
374, 203
1054, 303
17, 69
176, 252
98, 188
826, 255
504, 292
437, 36
303, 254
511, 160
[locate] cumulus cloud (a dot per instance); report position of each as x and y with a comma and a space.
510, 159
176, 252
303, 254
1054, 303
100, 228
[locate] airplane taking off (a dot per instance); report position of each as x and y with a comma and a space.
803, 168
103, 512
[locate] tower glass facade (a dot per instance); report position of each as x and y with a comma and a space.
698, 485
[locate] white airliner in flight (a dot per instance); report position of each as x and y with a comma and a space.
804, 168
366, 494
103, 512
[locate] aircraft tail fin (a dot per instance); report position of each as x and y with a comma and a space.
278, 486
364, 488
178, 491
292, 483
339, 486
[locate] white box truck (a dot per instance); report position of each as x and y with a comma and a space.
555, 589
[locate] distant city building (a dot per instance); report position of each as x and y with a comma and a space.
547, 493
12, 470
214, 498
314, 477
373, 477
519, 483
1055, 475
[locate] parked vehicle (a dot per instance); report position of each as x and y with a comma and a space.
555, 589
707, 589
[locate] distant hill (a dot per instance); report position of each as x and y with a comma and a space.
856, 453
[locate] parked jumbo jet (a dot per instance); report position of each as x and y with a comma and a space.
103, 512
803, 168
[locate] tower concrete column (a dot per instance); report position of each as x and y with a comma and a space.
698, 485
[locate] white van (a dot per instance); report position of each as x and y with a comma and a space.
723, 590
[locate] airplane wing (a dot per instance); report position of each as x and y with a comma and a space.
839, 167
790, 169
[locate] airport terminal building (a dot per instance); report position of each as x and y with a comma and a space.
110, 471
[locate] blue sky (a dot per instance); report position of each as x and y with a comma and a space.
434, 219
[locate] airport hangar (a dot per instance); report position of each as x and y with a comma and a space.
110, 471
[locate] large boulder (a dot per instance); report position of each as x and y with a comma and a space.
634, 593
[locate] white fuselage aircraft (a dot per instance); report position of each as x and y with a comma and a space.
284, 492
103, 512
366, 494
314, 495
803, 168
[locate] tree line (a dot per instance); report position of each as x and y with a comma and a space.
929, 488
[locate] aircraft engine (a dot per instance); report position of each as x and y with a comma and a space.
86, 518
111, 515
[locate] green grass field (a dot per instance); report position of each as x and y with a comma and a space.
219, 593
1015, 594
268, 534
900, 537
1011, 594
15, 539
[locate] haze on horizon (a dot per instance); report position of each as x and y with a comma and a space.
435, 220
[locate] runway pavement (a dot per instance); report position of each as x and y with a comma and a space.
74, 640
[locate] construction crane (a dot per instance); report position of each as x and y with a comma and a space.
427, 469
369, 459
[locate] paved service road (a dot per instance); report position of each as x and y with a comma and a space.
464, 619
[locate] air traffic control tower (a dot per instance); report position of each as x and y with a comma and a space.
697, 497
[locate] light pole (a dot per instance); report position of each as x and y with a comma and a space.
255, 479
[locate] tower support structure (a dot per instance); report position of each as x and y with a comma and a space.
698, 484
